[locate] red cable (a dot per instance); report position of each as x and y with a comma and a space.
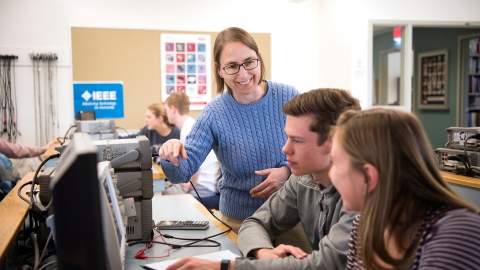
141, 253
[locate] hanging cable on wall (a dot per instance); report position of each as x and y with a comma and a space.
45, 94
8, 100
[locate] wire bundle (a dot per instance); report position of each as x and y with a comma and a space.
36, 216
8, 100
192, 242
45, 88
470, 170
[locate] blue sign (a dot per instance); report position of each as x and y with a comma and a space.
105, 98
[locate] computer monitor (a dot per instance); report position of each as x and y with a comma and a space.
88, 233
113, 217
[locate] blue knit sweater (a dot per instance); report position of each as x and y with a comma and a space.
245, 138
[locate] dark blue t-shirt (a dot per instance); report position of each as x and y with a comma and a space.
156, 140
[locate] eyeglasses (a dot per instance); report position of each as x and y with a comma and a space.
235, 68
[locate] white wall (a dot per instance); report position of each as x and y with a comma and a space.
315, 43
44, 26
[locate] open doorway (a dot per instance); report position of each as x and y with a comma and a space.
388, 92
390, 69
424, 37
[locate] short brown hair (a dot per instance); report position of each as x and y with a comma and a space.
325, 105
159, 110
229, 35
180, 101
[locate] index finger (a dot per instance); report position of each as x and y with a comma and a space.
165, 153
183, 152
263, 172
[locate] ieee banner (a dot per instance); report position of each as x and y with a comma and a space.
105, 98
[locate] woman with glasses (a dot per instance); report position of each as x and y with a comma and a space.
409, 217
244, 126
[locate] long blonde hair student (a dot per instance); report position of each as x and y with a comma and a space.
158, 110
409, 181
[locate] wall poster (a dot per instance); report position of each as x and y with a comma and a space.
186, 67
432, 80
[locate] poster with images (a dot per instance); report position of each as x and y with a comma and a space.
186, 67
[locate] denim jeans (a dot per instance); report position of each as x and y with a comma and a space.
5, 184
5, 162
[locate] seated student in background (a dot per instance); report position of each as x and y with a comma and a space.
205, 179
383, 166
307, 196
11, 150
157, 129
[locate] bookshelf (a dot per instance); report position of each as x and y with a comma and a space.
473, 102
468, 81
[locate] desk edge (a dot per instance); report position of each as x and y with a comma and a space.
9, 225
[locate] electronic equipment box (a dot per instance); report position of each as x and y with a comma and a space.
457, 138
453, 160
98, 129
131, 161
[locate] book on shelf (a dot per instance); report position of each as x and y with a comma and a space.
474, 84
475, 101
474, 45
473, 119
474, 65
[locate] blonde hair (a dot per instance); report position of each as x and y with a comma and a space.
159, 110
229, 35
409, 181
180, 101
